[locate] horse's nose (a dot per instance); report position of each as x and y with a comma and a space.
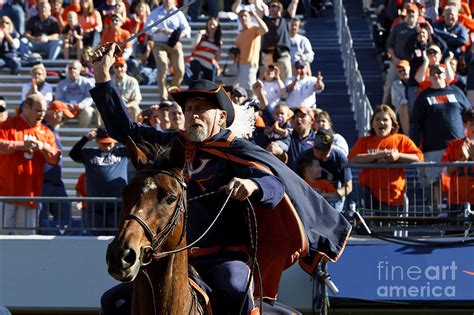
129, 257
120, 258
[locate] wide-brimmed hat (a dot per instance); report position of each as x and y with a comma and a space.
209, 91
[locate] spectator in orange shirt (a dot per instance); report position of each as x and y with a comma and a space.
384, 188
461, 185
25, 146
91, 23
117, 34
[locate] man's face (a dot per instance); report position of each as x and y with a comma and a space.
176, 117
403, 73
164, 114
74, 70
202, 119
438, 77
54, 117
450, 17
120, 70
44, 9
301, 123
412, 17
294, 26
274, 10
321, 155
244, 18
36, 112
106, 147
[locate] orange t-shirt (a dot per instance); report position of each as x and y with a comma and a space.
461, 184
321, 185
22, 172
90, 22
110, 36
249, 42
386, 184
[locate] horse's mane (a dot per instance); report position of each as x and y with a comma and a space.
158, 156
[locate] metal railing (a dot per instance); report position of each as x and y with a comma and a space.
428, 205
360, 103
59, 215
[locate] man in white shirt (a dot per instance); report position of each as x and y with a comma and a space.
301, 48
301, 90
167, 46
127, 87
74, 92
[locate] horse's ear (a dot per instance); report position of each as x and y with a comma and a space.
177, 155
138, 158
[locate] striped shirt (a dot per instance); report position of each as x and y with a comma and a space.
205, 52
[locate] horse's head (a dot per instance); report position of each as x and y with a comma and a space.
153, 210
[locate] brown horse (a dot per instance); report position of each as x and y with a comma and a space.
153, 224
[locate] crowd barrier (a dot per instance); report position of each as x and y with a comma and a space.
418, 207
60, 215
415, 198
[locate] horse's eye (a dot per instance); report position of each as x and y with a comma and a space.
170, 199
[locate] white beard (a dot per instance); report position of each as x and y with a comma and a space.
198, 134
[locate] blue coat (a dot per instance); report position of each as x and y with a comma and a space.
303, 224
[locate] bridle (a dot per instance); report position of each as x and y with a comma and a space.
156, 240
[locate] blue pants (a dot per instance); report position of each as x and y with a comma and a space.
13, 64
195, 9
227, 278
228, 281
61, 211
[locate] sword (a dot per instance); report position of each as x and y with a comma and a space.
118, 51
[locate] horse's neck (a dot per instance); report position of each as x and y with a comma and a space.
172, 293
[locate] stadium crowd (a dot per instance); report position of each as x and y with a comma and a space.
428, 93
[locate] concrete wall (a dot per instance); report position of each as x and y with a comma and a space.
68, 272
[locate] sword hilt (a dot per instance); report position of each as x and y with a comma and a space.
94, 55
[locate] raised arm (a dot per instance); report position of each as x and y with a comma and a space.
112, 109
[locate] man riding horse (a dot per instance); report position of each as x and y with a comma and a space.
304, 226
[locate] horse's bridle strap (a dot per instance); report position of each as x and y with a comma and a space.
157, 239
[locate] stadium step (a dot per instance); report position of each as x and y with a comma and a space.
365, 50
